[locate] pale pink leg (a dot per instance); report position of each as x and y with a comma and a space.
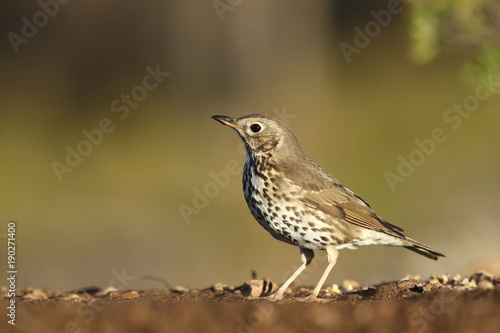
332, 254
306, 256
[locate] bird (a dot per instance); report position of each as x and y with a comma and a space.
301, 204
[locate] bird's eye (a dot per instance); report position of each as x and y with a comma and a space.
255, 128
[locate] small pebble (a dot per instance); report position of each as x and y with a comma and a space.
410, 277
434, 281
180, 289
485, 285
464, 282
456, 279
350, 285
122, 294
481, 275
443, 279
105, 291
219, 287
257, 288
36, 294
335, 288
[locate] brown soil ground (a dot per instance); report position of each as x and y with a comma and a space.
440, 304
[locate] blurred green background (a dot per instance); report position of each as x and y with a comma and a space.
119, 208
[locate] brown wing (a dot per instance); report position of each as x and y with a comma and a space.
325, 193
339, 202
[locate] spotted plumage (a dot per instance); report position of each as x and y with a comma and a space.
299, 203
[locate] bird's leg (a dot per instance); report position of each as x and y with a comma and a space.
306, 256
331, 254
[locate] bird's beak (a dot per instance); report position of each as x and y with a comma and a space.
228, 121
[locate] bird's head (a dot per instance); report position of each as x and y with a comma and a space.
263, 134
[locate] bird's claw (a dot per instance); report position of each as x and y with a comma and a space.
277, 296
312, 298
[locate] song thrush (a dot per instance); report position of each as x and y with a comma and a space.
299, 203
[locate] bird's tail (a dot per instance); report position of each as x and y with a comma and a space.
422, 249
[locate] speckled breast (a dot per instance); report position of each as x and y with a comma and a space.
279, 212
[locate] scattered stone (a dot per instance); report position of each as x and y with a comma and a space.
122, 294
464, 282
180, 289
439, 278
105, 291
472, 284
456, 279
443, 279
335, 289
350, 290
350, 285
219, 287
485, 285
482, 276
410, 277
258, 288
35, 294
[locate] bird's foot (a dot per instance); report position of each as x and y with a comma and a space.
312, 298
277, 296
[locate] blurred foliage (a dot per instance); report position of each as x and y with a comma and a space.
468, 29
